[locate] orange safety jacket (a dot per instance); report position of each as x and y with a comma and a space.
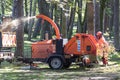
102, 46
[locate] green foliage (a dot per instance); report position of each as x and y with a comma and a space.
108, 11
54, 1
7, 7
71, 3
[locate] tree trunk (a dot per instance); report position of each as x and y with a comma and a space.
26, 8
106, 23
56, 19
102, 12
116, 24
26, 14
96, 17
64, 19
31, 21
71, 21
37, 28
79, 27
44, 9
53, 16
18, 13
2, 7
90, 17
64, 25
84, 22
111, 19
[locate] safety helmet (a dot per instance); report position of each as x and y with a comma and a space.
99, 33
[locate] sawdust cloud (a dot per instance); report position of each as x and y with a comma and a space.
14, 24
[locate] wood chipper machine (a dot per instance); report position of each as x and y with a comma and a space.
60, 53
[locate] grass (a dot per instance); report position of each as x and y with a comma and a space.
14, 72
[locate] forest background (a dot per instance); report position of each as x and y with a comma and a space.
71, 16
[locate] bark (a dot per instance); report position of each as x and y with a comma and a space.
90, 18
84, 22
61, 11
52, 13
26, 8
71, 21
96, 17
18, 13
64, 22
102, 12
79, 27
2, 7
106, 23
64, 25
37, 28
44, 9
26, 14
31, 22
51, 10
116, 24
111, 18
56, 14
106, 18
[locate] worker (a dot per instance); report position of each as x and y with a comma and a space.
102, 47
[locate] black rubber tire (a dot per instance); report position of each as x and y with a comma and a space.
10, 60
55, 63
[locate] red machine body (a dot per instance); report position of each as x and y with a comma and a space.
80, 44
43, 49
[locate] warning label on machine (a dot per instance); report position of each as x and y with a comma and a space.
78, 45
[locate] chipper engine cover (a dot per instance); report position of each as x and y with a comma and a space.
81, 44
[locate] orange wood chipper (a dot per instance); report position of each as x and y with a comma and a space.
60, 53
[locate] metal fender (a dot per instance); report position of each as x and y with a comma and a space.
56, 55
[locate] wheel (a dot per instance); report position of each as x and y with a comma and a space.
9, 60
55, 63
